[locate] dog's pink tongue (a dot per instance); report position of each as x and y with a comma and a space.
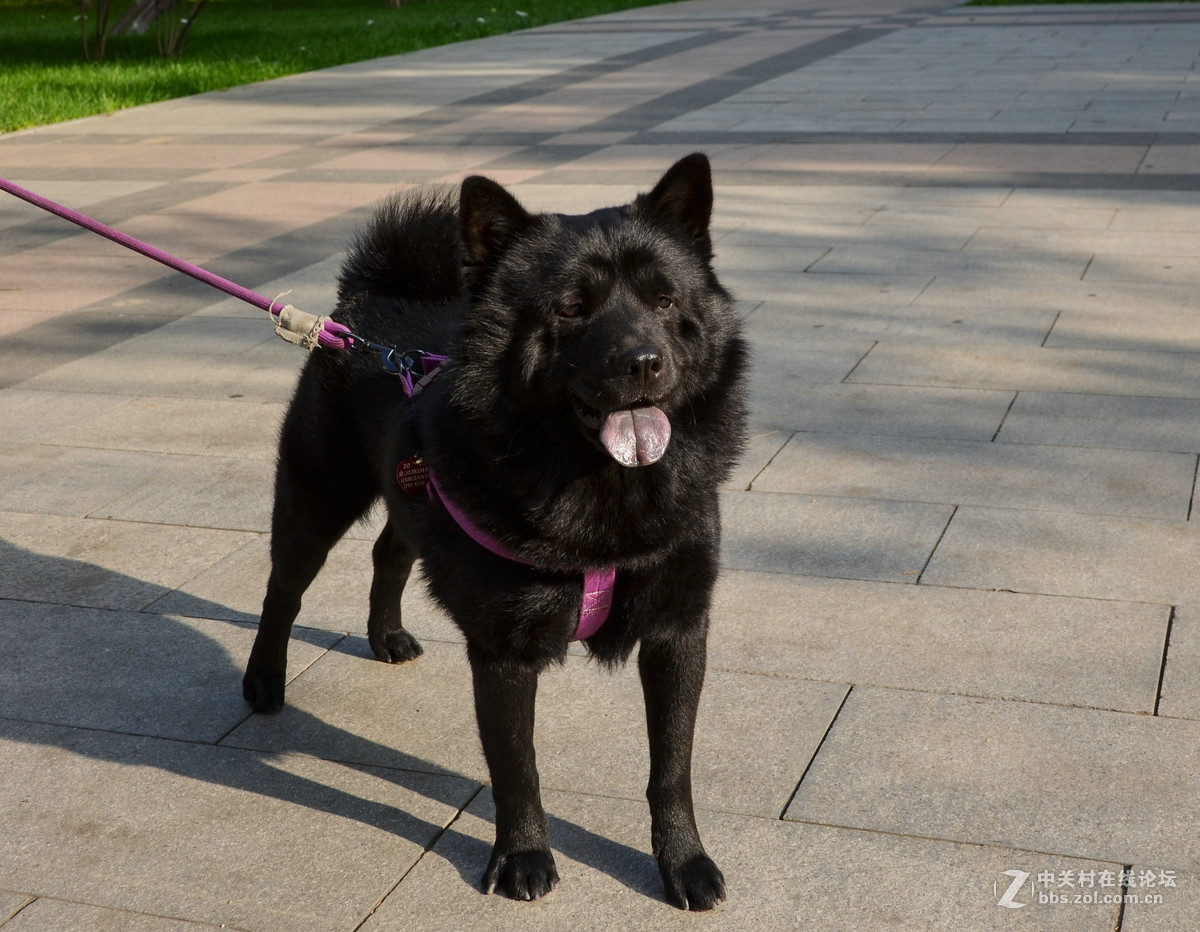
636, 437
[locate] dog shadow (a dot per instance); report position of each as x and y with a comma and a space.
65, 668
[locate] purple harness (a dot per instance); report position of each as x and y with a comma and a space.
597, 582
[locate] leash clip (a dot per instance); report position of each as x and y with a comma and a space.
398, 363
415, 368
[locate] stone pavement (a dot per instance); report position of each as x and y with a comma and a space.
957, 643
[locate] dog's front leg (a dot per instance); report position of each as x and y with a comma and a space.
521, 866
672, 672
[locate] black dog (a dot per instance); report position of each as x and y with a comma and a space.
591, 404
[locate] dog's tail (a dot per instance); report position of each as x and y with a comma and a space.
409, 250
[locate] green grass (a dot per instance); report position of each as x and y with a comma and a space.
43, 78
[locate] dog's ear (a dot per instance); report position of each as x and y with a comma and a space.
683, 198
489, 219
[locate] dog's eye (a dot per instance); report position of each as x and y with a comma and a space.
571, 309
665, 302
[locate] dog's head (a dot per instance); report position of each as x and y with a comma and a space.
613, 319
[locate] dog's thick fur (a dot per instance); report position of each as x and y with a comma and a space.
561, 329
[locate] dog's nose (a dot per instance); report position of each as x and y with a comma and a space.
643, 365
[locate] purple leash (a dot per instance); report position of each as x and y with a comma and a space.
293, 325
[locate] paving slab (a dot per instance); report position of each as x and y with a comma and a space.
242, 427
910, 323
1100, 242
1092, 556
945, 640
45, 914
1167, 331
972, 472
70, 481
232, 589
1040, 267
100, 670
103, 564
780, 875
897, 410
1174, 269
1149, 296
1105, 785
199, 336
11, 903
217, 835
1163, 908
1179, 694
266, 372
1093, 420
847, 538
761, 446
201, 491
108, 272
1167, 219
851, 291
1096, 372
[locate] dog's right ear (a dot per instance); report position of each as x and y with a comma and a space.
489, 219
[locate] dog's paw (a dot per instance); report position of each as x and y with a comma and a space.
396, 647
521, 875
696, 884
264, 693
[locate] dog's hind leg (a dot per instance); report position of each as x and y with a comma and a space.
308, 520
393, 560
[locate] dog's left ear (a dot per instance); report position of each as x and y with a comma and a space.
489, 219
684, 198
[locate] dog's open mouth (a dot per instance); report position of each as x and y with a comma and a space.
636, 435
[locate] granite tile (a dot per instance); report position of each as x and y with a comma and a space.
960, 641
1161, 908
233, 589
1094, 420
70, 481
46, 914
1025, 266
240, 427
851, 409
130, 672
103, 564
201, 492
826, 536
1167, 330
1021, 775
46, 417
216, 835
1082, 371
11, 904
1090, 556
972, 472
1179, 694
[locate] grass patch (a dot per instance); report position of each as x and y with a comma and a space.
43, 78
